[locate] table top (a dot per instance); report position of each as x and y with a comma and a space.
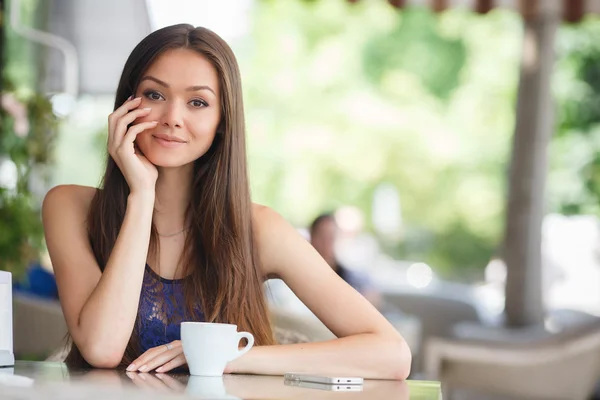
49, 380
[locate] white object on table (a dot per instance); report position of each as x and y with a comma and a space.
14, 380
7, 358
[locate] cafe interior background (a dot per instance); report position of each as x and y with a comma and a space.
456, 142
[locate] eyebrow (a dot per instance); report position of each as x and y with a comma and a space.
188, 89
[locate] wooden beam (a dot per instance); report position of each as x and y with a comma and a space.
573, 10
397, 3
529, 9
439, 5
483, 6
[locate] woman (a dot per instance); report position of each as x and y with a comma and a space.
173, 236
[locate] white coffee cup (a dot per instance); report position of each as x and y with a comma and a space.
208, 346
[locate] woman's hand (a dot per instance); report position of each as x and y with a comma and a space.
139, 173
162, 358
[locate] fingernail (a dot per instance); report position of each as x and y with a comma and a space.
143, 368
131, 367
130, 97
147, 109
154, 122
160, 369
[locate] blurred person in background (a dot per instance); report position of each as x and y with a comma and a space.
173, 236
324, 232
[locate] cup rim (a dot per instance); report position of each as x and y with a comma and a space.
207, 323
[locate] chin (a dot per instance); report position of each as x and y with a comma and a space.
170, 165
163, 160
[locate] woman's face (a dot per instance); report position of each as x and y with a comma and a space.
182, 89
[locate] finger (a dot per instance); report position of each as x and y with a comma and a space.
161, 359
120, 129
124, 121
174, 363
171, 382
135, 130
128, 105
153, 352
119, 112
145, 357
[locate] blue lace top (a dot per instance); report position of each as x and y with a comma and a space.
161, 310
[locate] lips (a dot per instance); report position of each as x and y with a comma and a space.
169, 138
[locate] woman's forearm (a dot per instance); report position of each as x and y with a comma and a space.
369, 356
107, 318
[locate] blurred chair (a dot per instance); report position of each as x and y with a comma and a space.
437, 315
525, 363
284, 336
307, 326
39, 326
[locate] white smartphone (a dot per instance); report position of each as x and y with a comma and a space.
324, 386
328, 380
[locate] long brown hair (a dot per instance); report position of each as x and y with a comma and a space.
220, 257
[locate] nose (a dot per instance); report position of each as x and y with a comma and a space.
172, 116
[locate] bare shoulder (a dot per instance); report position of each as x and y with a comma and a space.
268, 224
76, 193
275, 238
69, 197
265, 218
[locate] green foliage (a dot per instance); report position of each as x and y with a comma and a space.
579, 55
416, 46
592, 176
38, 145
347, 96
576, 151
461, 245
21, 232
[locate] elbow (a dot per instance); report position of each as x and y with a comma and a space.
402, 370
399, 363
97, 348
101, 357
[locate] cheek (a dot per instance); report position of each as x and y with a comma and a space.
154, 115
143, 139
203, 128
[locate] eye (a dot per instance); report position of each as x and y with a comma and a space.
153, 95
197, 103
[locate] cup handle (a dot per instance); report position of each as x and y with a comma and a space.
244, 335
